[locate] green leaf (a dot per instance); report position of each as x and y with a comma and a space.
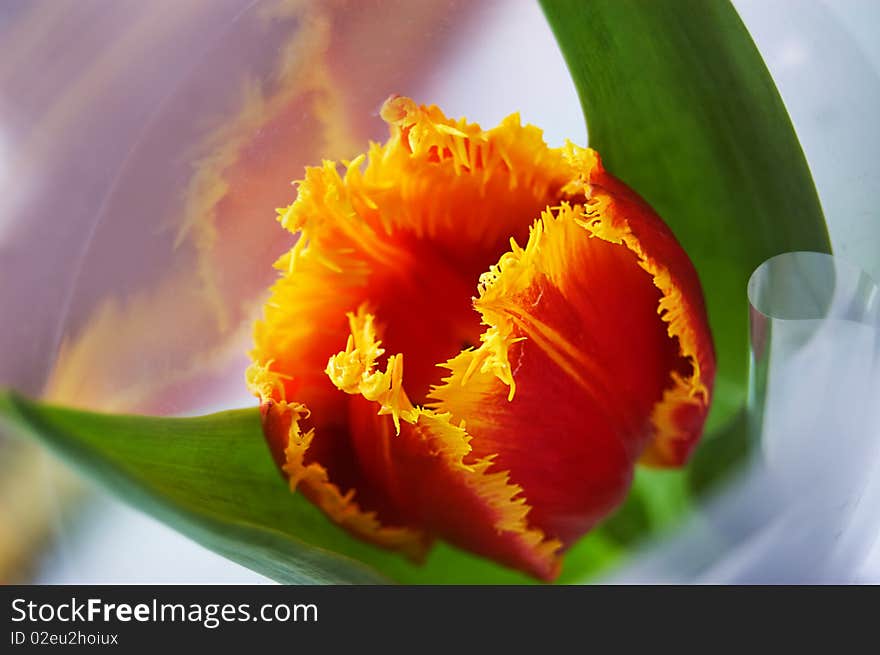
207, 476
681, 107
212, 478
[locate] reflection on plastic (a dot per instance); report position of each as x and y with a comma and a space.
807, 509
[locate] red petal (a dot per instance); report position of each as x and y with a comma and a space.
679, 418
296, 454
589, 357
434, 480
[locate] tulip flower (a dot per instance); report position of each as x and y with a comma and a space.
476, 338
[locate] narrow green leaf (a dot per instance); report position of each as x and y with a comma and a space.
206, 476
682, 108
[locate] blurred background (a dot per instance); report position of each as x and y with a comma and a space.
137, 158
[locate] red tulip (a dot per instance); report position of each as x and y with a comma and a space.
583, 352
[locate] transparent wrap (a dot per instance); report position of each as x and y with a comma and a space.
804, 508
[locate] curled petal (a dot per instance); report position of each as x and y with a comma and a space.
426, 468
304, 460
625, 218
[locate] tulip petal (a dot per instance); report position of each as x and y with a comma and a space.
425, 465
306, 472
598, 351
625, 218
